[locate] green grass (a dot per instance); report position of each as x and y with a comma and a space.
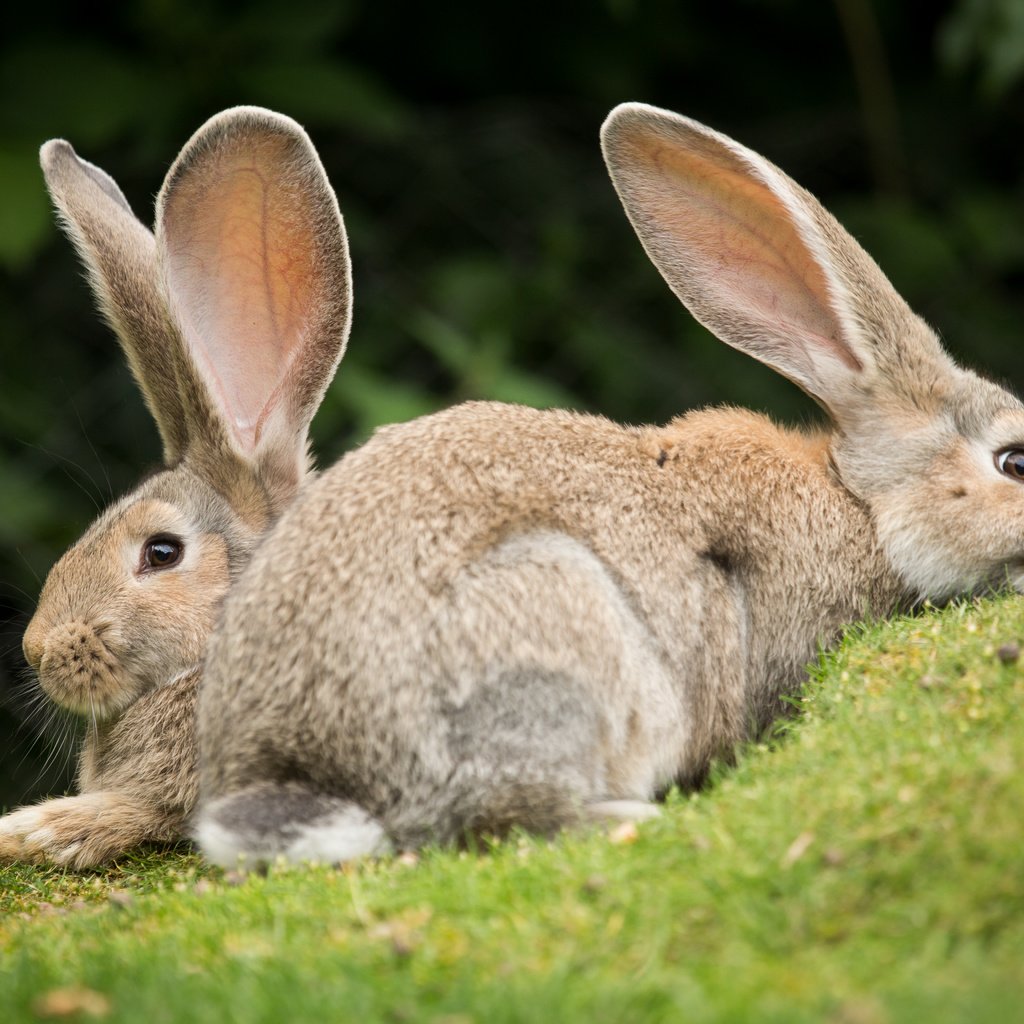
867, 866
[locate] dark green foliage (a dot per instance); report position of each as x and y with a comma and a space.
491, 257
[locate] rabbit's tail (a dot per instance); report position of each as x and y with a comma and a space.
289, 821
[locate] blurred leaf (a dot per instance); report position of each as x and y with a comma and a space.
990, 34
982, 218
910, 243
484, 368
528, 389
375, 401
450, 345
478, 290
24, 207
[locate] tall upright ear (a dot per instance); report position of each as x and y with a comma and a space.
756, 258
119, 254
256, 269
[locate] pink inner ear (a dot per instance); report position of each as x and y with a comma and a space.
744, 256
240, 276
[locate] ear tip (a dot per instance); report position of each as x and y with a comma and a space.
628, 120
624, 116
54, 153
632, 109
67, 174
251, 120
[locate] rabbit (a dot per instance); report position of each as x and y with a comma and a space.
233, 318
497, 617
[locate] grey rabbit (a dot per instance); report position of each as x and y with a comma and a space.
496, 616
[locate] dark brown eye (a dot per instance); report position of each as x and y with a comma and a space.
161, 553
1011, 462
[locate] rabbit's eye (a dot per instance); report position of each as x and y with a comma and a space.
1011, 462
161, 553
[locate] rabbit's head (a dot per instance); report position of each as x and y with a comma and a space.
233, 315
935, 452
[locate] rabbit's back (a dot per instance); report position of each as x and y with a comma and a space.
465, 580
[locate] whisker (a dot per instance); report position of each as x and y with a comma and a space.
41, 731
99, 461
11, 651
59, 730
96, 502
94, 721
34, 742
22, 696
60, 754
50, 759
14, 587
63, 461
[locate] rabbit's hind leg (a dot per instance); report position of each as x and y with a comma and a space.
271, 821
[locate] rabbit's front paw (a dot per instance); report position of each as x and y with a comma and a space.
73, 831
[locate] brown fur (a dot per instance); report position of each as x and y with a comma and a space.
247, 225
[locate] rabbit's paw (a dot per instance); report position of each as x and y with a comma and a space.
73, 831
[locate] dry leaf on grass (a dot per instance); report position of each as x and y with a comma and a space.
66, 1002
624, 833
797, 849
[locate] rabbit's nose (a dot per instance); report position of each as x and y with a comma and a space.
77, 670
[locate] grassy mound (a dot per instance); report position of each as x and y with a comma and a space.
868, 866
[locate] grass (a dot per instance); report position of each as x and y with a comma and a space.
865, 867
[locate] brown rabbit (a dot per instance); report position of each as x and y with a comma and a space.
233, 318
496, 616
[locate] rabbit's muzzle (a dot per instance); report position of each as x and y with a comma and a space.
76, 668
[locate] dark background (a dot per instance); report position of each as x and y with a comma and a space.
491, 257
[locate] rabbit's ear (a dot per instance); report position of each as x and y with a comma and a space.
256, 269
120, 255
756, 258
